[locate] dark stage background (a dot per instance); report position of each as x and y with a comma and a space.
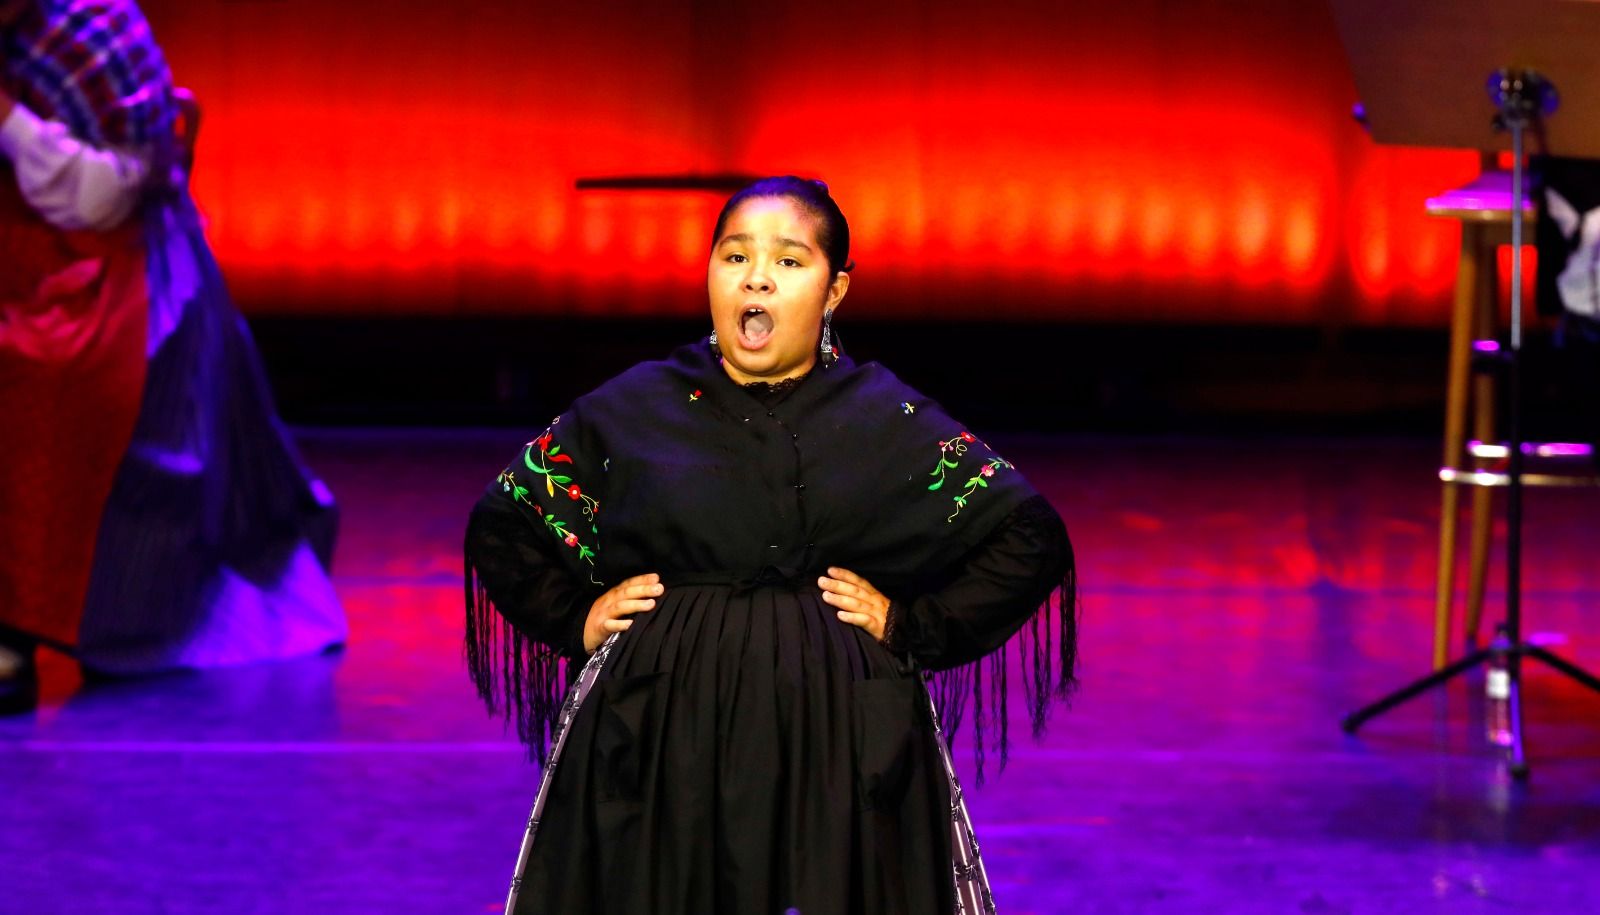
1140, 214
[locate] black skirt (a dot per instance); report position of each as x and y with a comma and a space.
742, 751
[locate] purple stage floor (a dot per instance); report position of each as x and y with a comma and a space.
1239, 599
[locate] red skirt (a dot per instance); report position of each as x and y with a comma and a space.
73, 321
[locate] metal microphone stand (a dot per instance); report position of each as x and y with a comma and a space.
1522, 97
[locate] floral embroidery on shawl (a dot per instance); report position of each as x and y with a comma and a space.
951, 451
1047, 644
522, 675
551, 454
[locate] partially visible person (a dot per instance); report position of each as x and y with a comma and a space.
153, 512
1568, 236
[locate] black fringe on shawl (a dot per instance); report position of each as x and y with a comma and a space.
527, 681
516, 677
1046, 641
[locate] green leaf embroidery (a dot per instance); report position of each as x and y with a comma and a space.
586, 503
957, 446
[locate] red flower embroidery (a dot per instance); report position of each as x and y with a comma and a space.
542, 462
951, 454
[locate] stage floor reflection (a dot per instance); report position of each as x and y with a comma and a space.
1239, 599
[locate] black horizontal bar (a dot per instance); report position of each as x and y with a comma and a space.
727, 182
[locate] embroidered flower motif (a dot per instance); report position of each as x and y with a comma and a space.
540, 456
906, 406
951, 452
695, 396
953, 446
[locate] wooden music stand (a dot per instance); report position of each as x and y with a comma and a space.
1420, 67
1435, 73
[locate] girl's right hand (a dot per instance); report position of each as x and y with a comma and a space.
607, 614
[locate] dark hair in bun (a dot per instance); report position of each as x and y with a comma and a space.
833, 232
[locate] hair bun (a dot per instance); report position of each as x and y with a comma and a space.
811, 195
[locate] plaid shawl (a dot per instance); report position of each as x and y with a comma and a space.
93, 65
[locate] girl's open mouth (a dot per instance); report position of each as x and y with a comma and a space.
755, 327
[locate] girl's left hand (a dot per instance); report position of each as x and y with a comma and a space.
859, 603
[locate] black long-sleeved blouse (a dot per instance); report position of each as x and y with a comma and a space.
673, 468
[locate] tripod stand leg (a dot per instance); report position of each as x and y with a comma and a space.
1562, 664
1360, 716
1518, 751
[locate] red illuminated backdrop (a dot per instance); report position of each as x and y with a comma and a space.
1137, 160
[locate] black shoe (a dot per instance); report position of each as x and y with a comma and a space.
19, 690
19, 693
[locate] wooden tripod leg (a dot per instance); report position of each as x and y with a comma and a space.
1446, 586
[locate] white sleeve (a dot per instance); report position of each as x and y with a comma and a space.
72, 184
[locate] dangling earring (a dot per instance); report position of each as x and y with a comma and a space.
829, 357
715, 349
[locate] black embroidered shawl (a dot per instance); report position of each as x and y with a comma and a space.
674, 468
